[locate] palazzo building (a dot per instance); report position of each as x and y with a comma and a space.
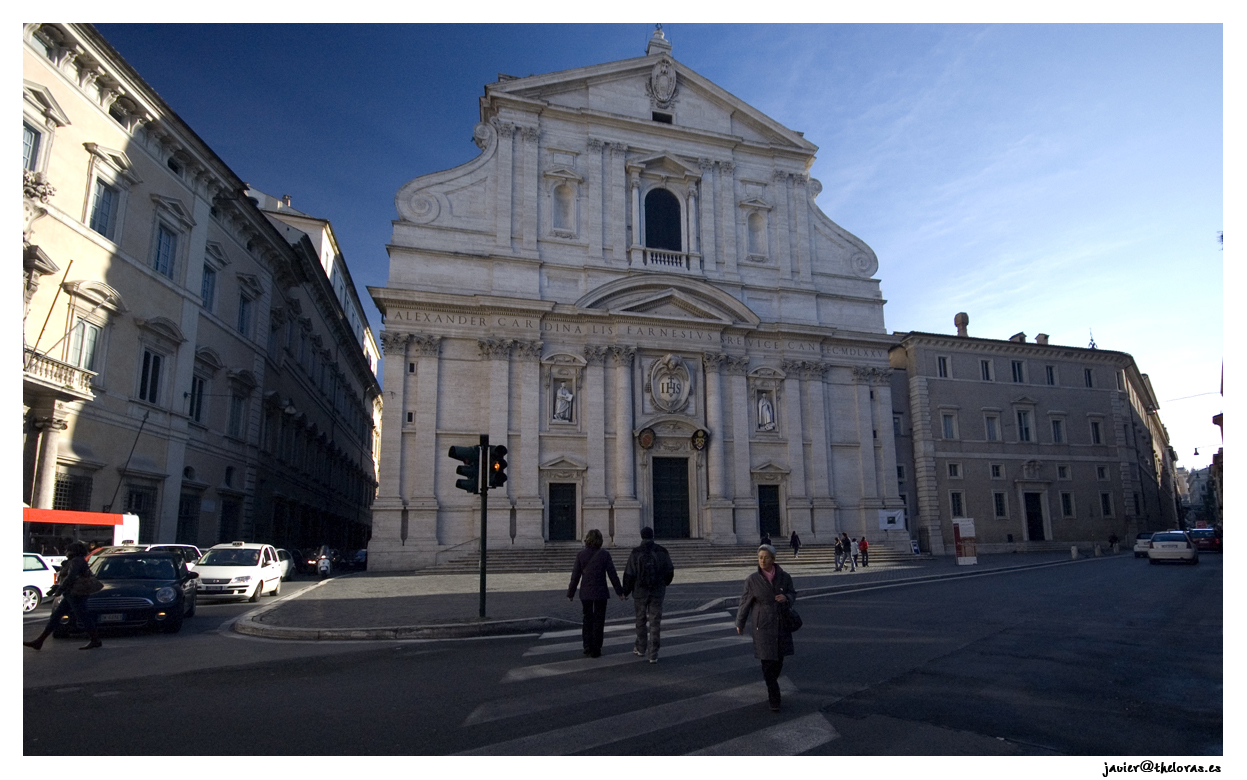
632, 288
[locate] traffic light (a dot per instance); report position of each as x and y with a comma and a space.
497, 466
470, 470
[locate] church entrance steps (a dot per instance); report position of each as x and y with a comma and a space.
685, 554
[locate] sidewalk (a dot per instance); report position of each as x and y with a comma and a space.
446, 606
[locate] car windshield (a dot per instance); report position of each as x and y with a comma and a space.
119, 567
230, 557
1147, 535
1170, 537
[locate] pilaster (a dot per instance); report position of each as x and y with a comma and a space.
801, 205
532, 188
728, 198
798, 504
618, 202
598, 172
525, 479
720, 525
420, 469
506, 177
595, 503
498, 353
783, 231
387, 509
626, 507
745, 511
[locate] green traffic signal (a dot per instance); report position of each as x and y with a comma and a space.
471, 468
497, 466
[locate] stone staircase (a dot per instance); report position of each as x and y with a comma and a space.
685, 554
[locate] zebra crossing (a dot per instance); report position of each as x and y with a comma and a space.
546, 683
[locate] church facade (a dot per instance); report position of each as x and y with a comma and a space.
632, 288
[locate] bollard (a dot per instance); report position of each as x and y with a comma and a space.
1097, 550
1073, 552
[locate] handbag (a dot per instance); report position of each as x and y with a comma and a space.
85, 585
789, 619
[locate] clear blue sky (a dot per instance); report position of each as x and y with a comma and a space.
1063, 179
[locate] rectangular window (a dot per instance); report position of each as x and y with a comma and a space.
950, 426
1101, 472
1086, 375
72, 492
954, 470
1024, 426
1095, 432
83, 342
998, 471
166, 249
411, 368
1121, 380
956, 502
943, 367
30, 147
1019, 374
1002, 504
197, 398
896, 425
244, 315
1067, 504
207, 290
1062, 472
985, 367
104, 209
149, 381
1050, 372
1058, 431
1106, 504
411, 417
237, 411
992, 424
900, 473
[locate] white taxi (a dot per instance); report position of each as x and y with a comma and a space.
246, 569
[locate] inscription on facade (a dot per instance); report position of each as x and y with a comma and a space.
470, 320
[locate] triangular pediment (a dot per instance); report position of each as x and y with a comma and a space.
1025, 399
672, 303
564, 463
664, 296
666, 164
755, 203
770, 467
564, 173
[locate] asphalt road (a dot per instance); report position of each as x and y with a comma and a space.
1105, 657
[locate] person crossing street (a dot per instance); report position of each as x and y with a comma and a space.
646, 576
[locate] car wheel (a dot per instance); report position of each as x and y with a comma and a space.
1152, 561
171, 626
194, 603
277, 588
1194, 561
259, 589
30, 598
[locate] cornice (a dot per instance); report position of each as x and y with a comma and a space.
1005, 347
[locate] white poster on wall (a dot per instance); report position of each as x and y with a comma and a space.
892, 519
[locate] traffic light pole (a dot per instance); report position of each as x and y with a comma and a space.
483, 477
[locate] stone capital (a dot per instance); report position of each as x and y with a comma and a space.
595, 355
622, 354
713, 361
495, 349
394, 343
528, 350
428, 345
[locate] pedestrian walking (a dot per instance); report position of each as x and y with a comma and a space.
768, 592
794, 542
646, 576
75, 583
766, 538
839, 553
593, 565
849, 551
864, 547
857, 550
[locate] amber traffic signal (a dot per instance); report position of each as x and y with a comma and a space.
497, 466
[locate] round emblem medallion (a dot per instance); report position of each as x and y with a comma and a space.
646, 438
669, 383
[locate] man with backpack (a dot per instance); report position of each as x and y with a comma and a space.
646, 576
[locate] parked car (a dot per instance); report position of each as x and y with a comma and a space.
189, 553
287, 561
146, 589
112, 549
1141, 544
246, 569
1171, 546
1205, 539
37, 576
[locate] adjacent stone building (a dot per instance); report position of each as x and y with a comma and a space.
633, 289
165, 371
1037, 443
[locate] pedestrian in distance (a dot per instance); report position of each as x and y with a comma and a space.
839, 553
646, 576
864, 547
768, 593
593, 565
766, 538
75, 583
857, 550
794, 542
849, 551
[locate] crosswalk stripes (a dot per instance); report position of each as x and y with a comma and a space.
621, 627
784, 739
667, 633
589, 664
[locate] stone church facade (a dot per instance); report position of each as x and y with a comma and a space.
633, 289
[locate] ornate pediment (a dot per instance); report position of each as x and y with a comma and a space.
563, 463
42, 101
755, 203
163, 328
665, 296
665, 164
207, 360
96, 293
673, 303
566, 174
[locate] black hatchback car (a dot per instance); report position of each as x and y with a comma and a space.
141, 590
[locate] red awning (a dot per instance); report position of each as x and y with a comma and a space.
67, 517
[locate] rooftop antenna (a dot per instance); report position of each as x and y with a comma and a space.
1092, 344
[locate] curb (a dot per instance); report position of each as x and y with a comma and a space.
250, 625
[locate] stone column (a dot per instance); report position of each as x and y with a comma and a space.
420, 469
626, 506
49, 427
532, 188
719, 526
635, 256
596, 174
783, 234
926, 522
728, 198
525, 478
801, 206
506, 177
498, 353
745, 506
595, 503
822, 493
618, 202
386, 547
690, 231
868, 433
706, 220
798, 505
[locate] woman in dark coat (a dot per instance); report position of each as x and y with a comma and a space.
74, 567
767, 590
593, 566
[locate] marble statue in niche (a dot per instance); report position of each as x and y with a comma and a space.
766, 413
563, 399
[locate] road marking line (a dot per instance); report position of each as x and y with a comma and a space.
616, 659
565, 647
586, 736
785, 739
511, 707
631, 626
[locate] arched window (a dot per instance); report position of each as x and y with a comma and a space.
662, 221
564, 207
757, 234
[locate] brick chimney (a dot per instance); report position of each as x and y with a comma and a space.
1019, 338
1041, 338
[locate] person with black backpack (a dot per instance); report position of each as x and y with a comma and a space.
646, 576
